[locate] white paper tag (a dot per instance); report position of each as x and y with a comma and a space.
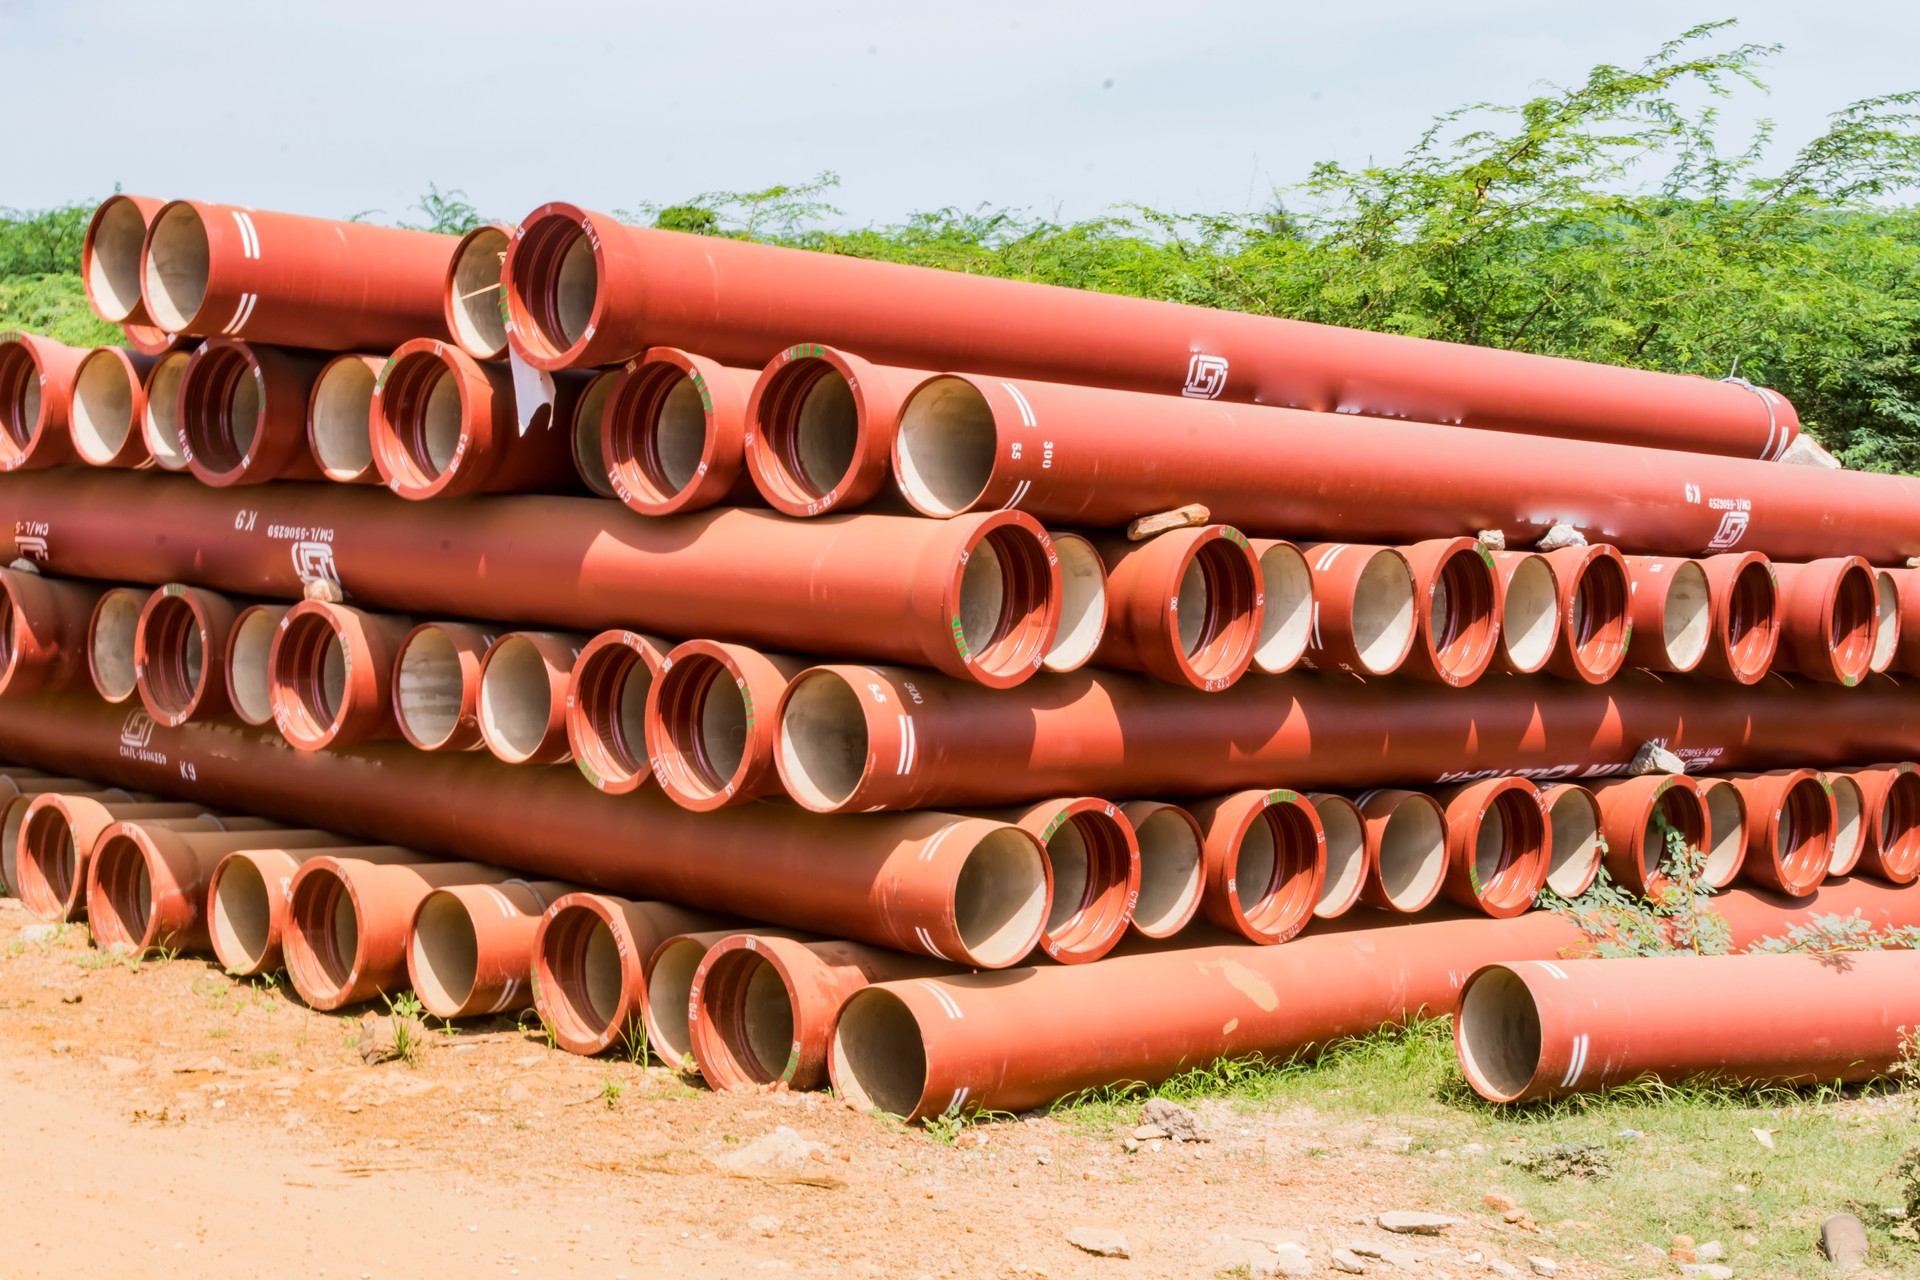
532, 389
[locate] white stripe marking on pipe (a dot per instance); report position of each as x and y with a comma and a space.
251, 232
926, 853
946, 1001
1553, 969
1579, 1062
1328, 556
1019, 492
1026, 410
926, 940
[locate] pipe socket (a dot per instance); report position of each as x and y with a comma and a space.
607, 696
1890, 822
1829, 618
44, 632
820, 424
1592, 592
1791, 824
711, 735
250, 895
1498, 844
591, 954
674, 433
1184, 606
147, 884
177, 644
330, 671
243, 413
1648, 822
1264, 862
444, 426
36, 397
56, 840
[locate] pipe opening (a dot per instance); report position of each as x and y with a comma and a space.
1499, 1034
1000, 898
445, 952
1507, 845
160, 420
1460, 617
658, 431
1886, 635
1752, 628
879, 1058
116, 621
122, 910
1083, 604
1850, 636
177, 261
1530, 620
1383, 612
811, 428
588, 984
309, 675
1346, 853
1413, 854
946, 446
823, 740
113, 259
249, 670
1002, 606
589, 458
101, 417
1683, 814
1273, 869
424, 405
516, 698
10, 622
1686, 620
1726, 832
608, 732
341, 422
176, 668
1214, 609
556, 281
669, 991
1900, 828
1803, 836
1091, 862
748, 1006
220, 404
1599, 620
19, 399
1849, 805
704, 719
242, 914
475, 296
1574, 819
326, 922
1286, 623
430, 688
48, 865
1170, 872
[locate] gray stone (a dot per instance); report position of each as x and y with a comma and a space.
781, 1149
1391, 1142
1492, 539
1391, 1254
1711, 1251
41, 932
1544, 1266
1181, 1124
1706, 1271
1348, 1261
1653, 757
1561, 535
1805, 451
1291, 1260
1101, 1242
1129, 1145
1844, 1241
1408, 1223
1505, 1270
763, 1224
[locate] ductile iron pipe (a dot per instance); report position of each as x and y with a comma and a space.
444, 426
1406, 834
710, 729
109, 400
36, 397
330, 672
251, 892
436, 685
1829, 619
242, 416
178, 643
524, 678
340, 418
1263, 862
590, 958
820, 424
111, 630
1498, 844
1184, 606
674, 433
1171, 881
607, 697
470, 948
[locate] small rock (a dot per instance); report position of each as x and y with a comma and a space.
61, 1046
1408, 1223
1492, 539
1474, 1149
380, 1038
41, 932
1346, 1260
1544, 1266
763, 1224
1291, 1260
1499, 1203
1844, 1241
517, 1092
1711, 1251
1391, 1142
1506, 1270
1101, 1242
781, 1149
1805, 451
70, 996
1149, 1132
1181, 1124
119, 1066
1520, 1218
1385, 1252
1129, 1145
1653, 757
1706, 1271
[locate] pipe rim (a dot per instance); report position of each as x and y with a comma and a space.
1002, 596
701, 727
1686, 617
1530, 613
160, 415
427, 404
1408, 849
1750, 632
752, 1023
1573, 819
1083, 604
669, 985
587, 431
245, 915
1274, 851
1500, 832
1172, 867
176, 266
1093, 866
443, 953
607, 697
1497, 1035
340, 417
1212, 647
1286, 620
1886, 627
1346, 854
811, 432
222, 415
174, 654
1895, 838
474, 303
24, 411
1851, 611
582, 945
111, 632
1000, 897
249, 661
522, 696
660, 433
1383, 625
1460, 626
430, 671
877, 1058
308, 670
1596, 624
552, 278
825, 750
120, 890
1725, 806
1849, 838
107, 398
110, 257
944, 450
321, 940
50, 871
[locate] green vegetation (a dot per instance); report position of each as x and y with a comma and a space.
1610, 220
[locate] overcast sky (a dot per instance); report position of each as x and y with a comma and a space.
333, 108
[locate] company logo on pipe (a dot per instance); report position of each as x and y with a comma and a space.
1732, 525
313, 562
137, 732
1206, 377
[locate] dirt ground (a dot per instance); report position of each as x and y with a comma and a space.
168, 1120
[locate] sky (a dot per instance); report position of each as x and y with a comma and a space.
1061, 109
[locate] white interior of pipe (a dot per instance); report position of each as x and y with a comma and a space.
516, 698
669, 987
602, 976
1576, 843
46, 844
1489, 844
139, 921
1083, 604
1253, 864
342, 418
1287, 621
825, 432
193, 656
1383, 611
113, 272
1499, 1034
1887, 636
176, 275
1346, 853
248, 680
1527, 621
631, 709
1413, 854
333, 679
1726, 822
1686, 621
430, 686
680, 433
576, 287
160, 423
1438, 602
1000, 898
29, 423
1067, 855
446, 953
115, 624
346, 936
823, 740
243, 412
983, 594
590, 460
767, 1019
1190, 606
440, 422
476, 293
102, 414
723, 725
1169, 871
242, 914
879, 1059
946, 447
1849, 805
